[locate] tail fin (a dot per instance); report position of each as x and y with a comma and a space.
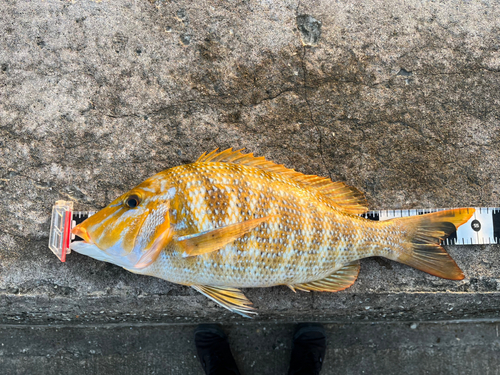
423, 234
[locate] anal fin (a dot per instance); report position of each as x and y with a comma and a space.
230, 298
339, 280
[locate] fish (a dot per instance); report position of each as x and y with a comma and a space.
233, 220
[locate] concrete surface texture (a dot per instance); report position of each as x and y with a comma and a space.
352, 349
400, 99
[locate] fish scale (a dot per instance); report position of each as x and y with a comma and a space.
233, 220
273, 248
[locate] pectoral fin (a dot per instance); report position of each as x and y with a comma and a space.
212, 240
339, 280
230, 298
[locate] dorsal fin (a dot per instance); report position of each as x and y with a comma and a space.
346, 198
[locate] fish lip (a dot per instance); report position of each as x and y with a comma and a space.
83, 234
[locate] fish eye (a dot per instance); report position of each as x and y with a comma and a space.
133, 201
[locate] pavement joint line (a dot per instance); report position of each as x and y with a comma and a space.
285, 322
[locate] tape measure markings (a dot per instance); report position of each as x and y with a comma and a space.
483, 227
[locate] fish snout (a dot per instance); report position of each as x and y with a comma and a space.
82, 233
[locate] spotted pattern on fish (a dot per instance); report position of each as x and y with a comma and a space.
232, 220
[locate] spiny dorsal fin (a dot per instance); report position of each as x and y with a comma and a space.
215, 239
230, 298
346, 198
339, 280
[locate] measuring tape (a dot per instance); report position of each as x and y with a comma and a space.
483, 227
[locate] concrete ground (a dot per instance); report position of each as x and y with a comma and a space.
413, 348
399, 99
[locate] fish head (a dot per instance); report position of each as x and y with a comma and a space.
132, 230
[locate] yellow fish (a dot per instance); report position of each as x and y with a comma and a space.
231, 220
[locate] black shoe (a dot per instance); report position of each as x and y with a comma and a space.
213, 350
308, 350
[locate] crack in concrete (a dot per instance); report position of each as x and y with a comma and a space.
311, 116
55, 189
269, 98
179, 104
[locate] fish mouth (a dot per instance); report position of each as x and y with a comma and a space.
83, 234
